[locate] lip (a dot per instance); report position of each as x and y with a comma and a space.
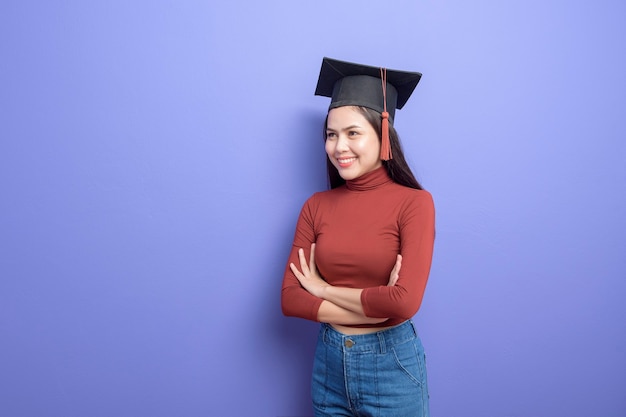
345, 162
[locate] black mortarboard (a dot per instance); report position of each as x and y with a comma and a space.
350, 84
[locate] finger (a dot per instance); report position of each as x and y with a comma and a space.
395, 272
303, 265
398, 264
295, 271
312, 260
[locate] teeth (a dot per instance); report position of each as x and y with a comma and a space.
346, 160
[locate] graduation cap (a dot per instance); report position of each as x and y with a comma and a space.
379, 89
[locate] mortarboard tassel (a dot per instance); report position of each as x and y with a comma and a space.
385, 145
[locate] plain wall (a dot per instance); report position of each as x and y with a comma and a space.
154, 156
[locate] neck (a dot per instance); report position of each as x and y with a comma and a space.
370, 180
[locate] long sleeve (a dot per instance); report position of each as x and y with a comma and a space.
295, 300
417, 232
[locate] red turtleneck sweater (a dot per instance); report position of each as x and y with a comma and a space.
359, 228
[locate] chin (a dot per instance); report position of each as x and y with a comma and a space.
347, 175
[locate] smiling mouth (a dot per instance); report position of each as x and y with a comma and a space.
345, 161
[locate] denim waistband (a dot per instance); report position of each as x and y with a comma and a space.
377, 342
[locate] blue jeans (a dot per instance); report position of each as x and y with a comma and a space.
381, 374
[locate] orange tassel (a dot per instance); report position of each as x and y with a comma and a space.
385, 145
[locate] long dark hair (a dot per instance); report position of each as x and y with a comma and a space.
397, 168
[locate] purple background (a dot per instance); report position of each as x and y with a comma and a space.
154, 156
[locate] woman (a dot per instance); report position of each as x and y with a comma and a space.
362, 253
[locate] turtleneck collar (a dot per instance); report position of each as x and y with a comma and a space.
369, 181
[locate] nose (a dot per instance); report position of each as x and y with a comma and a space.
342, 144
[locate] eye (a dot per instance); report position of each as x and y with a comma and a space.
353, 133
331, 135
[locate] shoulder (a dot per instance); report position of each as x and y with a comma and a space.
327, 195
413, 202
412, 194
322, 198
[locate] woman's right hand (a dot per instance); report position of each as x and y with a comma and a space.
395, 272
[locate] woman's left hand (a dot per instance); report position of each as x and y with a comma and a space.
309, 277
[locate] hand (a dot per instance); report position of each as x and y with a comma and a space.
309, 278
395, 272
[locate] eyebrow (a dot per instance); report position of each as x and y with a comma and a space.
345, 128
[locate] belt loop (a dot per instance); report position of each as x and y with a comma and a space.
381, 340
414, 329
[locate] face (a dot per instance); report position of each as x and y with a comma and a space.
352, 144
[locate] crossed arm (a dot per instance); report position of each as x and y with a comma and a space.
340, 305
